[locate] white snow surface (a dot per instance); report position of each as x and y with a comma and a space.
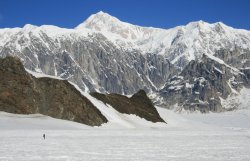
189, 137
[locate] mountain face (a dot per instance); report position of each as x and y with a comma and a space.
104, 54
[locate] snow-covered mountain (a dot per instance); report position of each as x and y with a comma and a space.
107, 55
195, 38
179, 44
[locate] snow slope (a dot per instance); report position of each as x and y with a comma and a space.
10, 121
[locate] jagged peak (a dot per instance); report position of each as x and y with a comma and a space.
101, 16
113, 27
98, 20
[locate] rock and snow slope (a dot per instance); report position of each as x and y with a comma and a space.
115, 118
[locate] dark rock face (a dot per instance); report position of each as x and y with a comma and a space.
139, 104
201, 84
21, 93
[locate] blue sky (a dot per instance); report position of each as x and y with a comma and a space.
156, 13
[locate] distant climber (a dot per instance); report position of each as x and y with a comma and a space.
44, 136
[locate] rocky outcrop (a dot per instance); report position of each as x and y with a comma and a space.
202, 84
139, 104
22, 93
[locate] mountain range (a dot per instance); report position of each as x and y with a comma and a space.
199, 66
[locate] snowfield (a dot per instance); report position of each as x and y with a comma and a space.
189, 137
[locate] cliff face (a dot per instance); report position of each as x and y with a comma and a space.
139, 104
202, 85
22, 93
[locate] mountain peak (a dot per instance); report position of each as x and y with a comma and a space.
101, 13
98, 20
101, 16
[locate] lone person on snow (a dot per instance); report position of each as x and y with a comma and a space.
44, 136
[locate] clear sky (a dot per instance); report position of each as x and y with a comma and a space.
155, 13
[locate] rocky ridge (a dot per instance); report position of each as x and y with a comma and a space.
138, 104
21, 93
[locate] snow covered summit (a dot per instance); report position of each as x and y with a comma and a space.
182, 43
